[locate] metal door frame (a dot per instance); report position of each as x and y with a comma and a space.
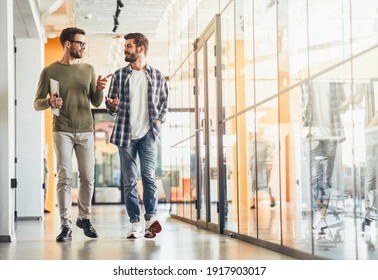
201, 43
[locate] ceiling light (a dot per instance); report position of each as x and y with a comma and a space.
116, 22
119, 3
118, 11
88, 16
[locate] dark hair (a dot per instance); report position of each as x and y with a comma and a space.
139, 40
69, 33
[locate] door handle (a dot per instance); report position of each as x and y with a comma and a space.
203, 124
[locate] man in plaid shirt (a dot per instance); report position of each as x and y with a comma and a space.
322, 104
138, 96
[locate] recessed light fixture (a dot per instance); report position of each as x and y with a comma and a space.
118, 11
116, 22
120, 4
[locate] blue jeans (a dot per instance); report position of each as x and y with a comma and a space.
322, 162
371, 162
146, 149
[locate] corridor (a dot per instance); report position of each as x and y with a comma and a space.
35, 240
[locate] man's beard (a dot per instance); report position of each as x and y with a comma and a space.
132, 57
75, 54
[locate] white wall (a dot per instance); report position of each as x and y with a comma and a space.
29, 130
7, 124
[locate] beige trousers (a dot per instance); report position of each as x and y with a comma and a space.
83, 144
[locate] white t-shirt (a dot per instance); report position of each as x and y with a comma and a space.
138, 104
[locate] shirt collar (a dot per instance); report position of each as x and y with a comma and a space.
129, 69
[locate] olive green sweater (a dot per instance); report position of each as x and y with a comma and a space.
77, 88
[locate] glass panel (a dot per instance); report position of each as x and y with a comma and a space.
246, 159
245, 54
168, 140
228, 62
364, 24
193, 178
231, 180
328, 33
192, 22
107, 166
185, 96
329, 163
265, 172
173, 42
178, 187
171, 181
224, 3
292, 36
192, 96
365, 128
265, 20
295, 200
193, 146
212, 128
206, 10
201, 118
292, 43
186, 192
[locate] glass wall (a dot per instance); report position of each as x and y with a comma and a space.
298, 91
108, 184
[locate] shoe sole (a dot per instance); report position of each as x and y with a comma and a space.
134, 237
64, 240
154, 229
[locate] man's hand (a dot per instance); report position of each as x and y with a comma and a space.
101, 82
112, 103
55, 101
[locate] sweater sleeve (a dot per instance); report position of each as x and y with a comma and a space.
41, 102
113, 91
96, 96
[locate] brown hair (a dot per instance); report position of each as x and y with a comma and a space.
69, 33
139, 40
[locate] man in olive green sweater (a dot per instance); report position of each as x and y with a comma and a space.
72, 126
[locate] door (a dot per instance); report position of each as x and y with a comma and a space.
108, 186
207, 132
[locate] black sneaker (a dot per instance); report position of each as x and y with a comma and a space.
86, 225
65, 235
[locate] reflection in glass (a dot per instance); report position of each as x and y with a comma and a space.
265, 38
107, 165
286, 70
231, 175
212, 128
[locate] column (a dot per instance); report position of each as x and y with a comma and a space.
29, 130
7, 122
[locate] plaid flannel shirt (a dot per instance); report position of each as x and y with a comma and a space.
336, 98
157, 103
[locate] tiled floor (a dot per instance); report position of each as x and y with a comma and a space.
35, 240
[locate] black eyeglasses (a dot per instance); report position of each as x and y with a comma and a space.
81, 44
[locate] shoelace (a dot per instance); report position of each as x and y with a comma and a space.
88, 224
135, 227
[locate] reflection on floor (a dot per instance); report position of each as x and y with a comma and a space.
35, 240
347, 232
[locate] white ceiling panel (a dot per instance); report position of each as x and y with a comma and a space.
96, 17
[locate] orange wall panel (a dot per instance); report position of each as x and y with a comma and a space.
53, 52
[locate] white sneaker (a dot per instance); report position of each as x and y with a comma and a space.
136, 231
152, 228
317, 218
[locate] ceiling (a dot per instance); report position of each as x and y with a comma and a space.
96, 17
47, 18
